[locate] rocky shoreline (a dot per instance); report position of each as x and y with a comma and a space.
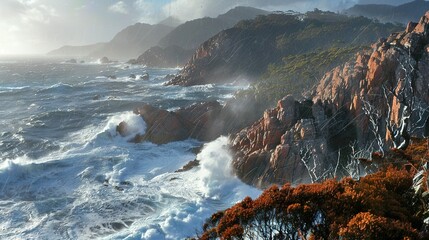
300, 141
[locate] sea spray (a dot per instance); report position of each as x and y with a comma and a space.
135, 125
215, 160
219, 187
204, 190
217, 176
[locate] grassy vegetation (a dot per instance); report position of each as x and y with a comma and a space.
309, 46
301, 72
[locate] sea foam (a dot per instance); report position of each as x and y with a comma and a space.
209, 188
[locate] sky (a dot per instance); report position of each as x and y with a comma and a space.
38, 26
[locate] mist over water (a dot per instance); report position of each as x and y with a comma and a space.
66, 174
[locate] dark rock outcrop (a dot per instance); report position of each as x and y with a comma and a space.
192, 122
104, 60
202, 121
379, 101
123, 129
189, 166
145, 76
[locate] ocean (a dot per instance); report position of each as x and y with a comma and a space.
66, 174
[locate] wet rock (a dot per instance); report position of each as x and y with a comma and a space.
190, 165
132, 61
201, 120
123, 129
132, 76
197, 150
162, 126
104, 60
145, 76
169, 77
195, 121
126, 183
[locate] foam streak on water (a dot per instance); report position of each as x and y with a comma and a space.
65, 173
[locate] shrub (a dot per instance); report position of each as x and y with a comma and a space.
378, 206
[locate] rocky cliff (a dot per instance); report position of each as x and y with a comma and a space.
244, 51
378, 101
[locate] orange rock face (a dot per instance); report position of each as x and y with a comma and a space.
392, 78
270, 150
379, 76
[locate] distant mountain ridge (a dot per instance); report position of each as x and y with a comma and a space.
387, 13
171, 22
76, 51
128, 43
177, 47
192, 33
134, 40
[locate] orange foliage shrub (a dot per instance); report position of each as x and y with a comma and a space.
378, 206
369, 226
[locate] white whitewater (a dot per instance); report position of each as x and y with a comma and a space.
65, 173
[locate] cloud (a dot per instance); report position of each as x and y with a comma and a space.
188, 9
10, 8
119, 7
149, 12
37, 26
41, 14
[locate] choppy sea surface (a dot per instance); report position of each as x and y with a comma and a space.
66, 174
